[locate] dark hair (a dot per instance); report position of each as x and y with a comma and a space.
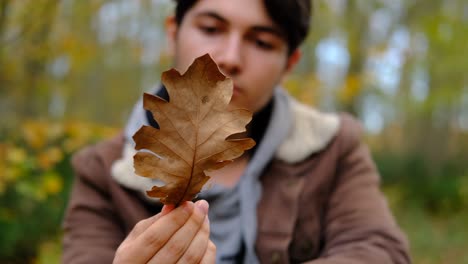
292, 16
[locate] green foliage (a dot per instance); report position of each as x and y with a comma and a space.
441, 189
36, 183
434, 239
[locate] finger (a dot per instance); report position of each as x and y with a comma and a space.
199, 245
167, 209
145, 246
210, 254
142, 226
145, 223
181, 240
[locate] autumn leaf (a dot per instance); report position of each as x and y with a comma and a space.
194, 128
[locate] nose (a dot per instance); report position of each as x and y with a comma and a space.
229, 55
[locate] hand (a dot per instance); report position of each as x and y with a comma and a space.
179, 235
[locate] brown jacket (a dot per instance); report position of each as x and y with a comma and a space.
326, 208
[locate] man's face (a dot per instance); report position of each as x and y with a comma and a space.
242, 39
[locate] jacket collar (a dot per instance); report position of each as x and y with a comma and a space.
310, 132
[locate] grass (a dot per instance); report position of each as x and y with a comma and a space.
434, 239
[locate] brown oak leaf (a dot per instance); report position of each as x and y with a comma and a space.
194, 128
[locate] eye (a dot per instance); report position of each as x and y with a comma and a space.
209, 30
263, 44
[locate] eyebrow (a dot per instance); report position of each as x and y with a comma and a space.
256, 28
271, 30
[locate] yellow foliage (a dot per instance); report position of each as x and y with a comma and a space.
12, 174
34, 133
304, 88
38, 134
351, 89
3, 155
78, 134
16, 155
29, 162
81, 51
52, 183
3, 166
50, 157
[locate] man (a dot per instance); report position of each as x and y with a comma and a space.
307, 192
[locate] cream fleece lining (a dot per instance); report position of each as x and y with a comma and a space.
311, 132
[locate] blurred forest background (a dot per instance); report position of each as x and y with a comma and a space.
70, 71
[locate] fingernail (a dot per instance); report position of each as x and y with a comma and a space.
203, 206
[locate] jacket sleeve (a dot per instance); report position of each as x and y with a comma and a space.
92, 232
359, 225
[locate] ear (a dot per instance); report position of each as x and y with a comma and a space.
171, 33
293, 59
